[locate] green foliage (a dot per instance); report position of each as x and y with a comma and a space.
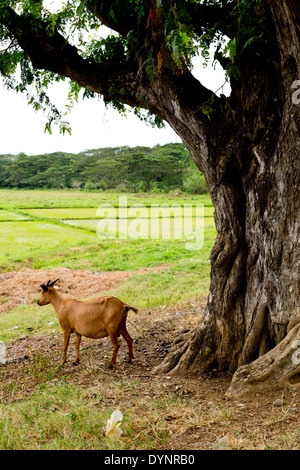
89, 186
123, 168
181, 47
208, 107
149, 118
107, 50
41, 171
180, 38
195, 182
15, 67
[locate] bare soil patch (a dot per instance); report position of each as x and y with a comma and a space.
22, 287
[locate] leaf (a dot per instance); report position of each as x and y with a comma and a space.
48, 128
65, 127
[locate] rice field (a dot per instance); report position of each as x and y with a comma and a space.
42, 228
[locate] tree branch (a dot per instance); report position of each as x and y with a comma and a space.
52, 52
121, 18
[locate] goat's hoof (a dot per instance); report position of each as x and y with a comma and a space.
76, 362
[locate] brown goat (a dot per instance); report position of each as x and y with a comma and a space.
96, 318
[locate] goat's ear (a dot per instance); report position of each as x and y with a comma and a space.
45, 288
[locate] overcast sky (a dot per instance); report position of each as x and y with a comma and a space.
93, 125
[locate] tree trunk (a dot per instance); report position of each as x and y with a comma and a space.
251, 164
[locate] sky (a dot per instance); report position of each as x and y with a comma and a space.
93, 125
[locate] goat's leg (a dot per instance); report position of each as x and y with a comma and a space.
116, 345
66, 344
77, 344
128, 340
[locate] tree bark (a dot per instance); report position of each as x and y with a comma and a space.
253, 176
278, 368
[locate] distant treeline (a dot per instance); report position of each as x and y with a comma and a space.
132, 169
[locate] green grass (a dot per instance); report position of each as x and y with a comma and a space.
171, 290
48, 199
60, 415
21, 199
30, 241
28, 319
63, 220
136, 210
55, 417
6, 215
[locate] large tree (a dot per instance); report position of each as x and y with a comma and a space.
246, 146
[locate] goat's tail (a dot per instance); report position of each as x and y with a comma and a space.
131, 308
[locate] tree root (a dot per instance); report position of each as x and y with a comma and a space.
278, 368
195, 351
191, 351
179, 348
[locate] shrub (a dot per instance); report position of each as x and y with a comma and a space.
195, 183
89, 186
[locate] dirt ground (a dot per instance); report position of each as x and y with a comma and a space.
253, 422
22, 287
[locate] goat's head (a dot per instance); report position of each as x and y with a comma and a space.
44, 299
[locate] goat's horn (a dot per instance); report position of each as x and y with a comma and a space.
48, 283
52, 283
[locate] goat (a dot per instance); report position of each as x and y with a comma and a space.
96, 318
